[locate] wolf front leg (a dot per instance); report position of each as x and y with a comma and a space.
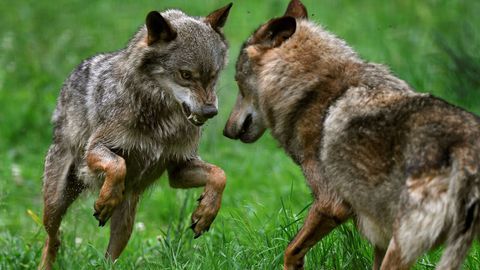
327, 212
101, 160
379, 254
196, 173
321, 219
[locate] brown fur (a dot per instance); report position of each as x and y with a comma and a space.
124, 118
405, 165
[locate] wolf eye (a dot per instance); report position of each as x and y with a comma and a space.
186, 75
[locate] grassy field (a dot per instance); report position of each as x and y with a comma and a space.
431, 44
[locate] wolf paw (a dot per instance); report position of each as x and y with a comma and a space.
208, 207
106, 203
293, 262
296, 266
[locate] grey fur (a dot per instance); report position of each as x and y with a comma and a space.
127, 98
135, 113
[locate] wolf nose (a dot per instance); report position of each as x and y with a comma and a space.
227, 133
209, 111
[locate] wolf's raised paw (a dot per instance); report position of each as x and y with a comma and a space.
208, 207
105, 205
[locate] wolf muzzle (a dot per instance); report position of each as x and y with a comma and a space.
209, 111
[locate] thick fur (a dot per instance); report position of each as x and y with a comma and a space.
127, 87
404, 165
125, 117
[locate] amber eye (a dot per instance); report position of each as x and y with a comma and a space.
186, 75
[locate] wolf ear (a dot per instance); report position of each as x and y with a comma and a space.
158, 28
297, 10
275, 32
218, 18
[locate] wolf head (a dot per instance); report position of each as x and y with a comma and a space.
246, 121
183, 57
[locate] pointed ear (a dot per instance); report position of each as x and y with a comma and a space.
275, 32
158, 28
218, 18
297, 10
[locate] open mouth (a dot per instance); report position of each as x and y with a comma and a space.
193, 118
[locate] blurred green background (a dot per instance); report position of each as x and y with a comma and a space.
432, 44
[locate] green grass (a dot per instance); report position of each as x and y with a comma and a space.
433, 45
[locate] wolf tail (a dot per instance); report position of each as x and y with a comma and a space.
464, 208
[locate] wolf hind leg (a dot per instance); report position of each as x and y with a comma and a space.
60, 189
121, 226
456, 250
394, 259
415, 233
423, 219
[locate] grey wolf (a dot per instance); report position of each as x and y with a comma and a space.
404, 165
126, 117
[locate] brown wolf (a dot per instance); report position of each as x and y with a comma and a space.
123, 118
404, 165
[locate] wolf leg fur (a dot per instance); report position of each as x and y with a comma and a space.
101, 159
379, 254
121, 226
60, 189
319, 222
393, 258
197, 173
